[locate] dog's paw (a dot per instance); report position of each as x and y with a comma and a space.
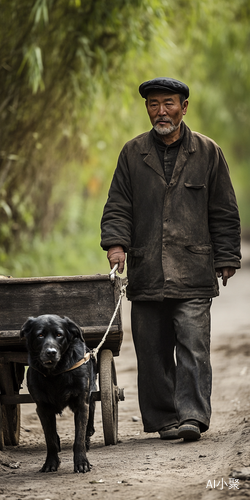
82, 466
50, 465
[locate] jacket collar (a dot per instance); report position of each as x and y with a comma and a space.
147, 147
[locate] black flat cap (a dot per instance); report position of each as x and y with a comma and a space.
169, 84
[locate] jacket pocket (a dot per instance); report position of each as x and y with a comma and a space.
201, 249
198, 266
194, 186
136, 252
136, 268
135, 256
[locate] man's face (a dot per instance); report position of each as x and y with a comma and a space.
165, 111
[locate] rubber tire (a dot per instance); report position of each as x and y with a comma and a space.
11, 380
1, 429
13, 414
109, 402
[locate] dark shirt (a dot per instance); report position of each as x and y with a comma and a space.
168, 153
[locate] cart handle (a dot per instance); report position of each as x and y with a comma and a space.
112, 272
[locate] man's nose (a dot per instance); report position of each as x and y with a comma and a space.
162, 110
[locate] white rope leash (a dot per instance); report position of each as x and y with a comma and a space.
122, 293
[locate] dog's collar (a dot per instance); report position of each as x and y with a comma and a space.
76, 365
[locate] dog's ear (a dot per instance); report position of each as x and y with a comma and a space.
27, 327
73, 328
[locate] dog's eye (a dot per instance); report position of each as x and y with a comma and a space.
40, 335
59, 334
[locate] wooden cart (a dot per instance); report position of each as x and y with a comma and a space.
89, 301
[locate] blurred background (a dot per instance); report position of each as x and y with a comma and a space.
69, 77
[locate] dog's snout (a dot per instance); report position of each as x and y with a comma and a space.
51, 352
50, 355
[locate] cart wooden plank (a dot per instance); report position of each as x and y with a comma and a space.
88, 300
16, 399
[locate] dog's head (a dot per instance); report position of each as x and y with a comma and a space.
48, 337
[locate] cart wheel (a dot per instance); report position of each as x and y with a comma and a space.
109, 397
1, 429
5, 427
13, 414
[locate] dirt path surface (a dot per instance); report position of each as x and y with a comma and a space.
141, 466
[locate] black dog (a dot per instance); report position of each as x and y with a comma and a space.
61, 373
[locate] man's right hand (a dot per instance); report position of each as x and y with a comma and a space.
116, 255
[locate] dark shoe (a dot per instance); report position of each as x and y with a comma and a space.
169, 432
189, 430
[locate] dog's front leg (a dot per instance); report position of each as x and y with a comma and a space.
48, 421
81, 463
90, 426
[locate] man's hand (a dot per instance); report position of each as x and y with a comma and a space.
116, 255
225, 273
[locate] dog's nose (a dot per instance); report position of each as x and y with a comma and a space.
51, 352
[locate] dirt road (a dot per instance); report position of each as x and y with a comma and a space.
141, 466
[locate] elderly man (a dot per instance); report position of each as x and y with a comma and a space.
171, 207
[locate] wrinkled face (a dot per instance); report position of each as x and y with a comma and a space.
165, 111
48, 337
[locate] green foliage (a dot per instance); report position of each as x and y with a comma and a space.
55, 55
69, 76
71, 249
215, 37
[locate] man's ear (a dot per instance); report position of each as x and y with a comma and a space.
27, 327
184, 107
73, 328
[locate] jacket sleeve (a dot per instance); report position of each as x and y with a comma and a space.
116, 223
224, 220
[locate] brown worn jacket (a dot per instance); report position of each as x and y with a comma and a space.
175, 235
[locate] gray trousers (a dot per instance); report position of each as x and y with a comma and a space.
169, 392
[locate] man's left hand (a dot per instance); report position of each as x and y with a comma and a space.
225, 273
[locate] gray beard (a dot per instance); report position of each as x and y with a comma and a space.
166, 131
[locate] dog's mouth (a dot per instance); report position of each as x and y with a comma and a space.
49, 363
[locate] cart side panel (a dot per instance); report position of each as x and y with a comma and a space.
90, 303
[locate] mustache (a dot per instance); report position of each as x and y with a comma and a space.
166, 120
